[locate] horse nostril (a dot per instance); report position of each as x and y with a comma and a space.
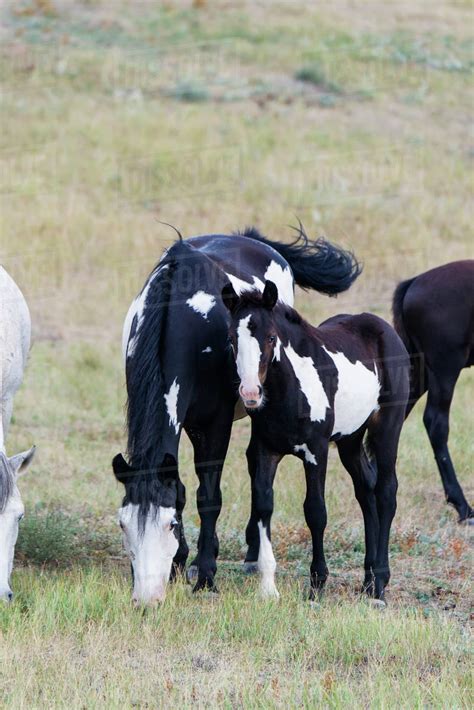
260, 390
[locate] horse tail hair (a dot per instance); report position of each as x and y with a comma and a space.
146, 389
316, 264
397, 313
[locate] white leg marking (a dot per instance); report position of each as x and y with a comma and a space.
266, 565
357, 396
202, 303
171, 400
309, 456
207, 350
310, 384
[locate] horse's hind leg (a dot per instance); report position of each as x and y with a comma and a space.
384, 434
363, 474
436, 420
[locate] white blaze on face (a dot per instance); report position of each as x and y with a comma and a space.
151, 551
9, 521
202, 303
171, 400
266, 564
248, 361
310, 384
357, 396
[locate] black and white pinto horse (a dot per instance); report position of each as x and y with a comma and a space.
15, 333
304, 387
181, 375
434, 315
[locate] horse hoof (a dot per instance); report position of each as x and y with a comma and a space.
192, 574
467, 521
250, 567
377, 604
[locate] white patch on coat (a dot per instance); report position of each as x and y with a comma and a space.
207, 350
248, 355
310, 384
137, 308
283, 280
202, 303
266, 564
241, 286
308, 455
357, 395
152, 552
171, 400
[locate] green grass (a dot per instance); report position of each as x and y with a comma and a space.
114, 118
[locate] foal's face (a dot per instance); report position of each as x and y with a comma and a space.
151, 549
254, 340
11, 512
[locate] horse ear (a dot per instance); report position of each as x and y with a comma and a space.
20, 462
230, 297
269, 295
121, 468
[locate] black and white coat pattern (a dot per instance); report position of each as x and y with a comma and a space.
181, 375
304, 388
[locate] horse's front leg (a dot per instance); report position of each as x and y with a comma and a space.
210, 448
315, 462
264, 466
252, 536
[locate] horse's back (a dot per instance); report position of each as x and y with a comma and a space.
438, 310
15, 331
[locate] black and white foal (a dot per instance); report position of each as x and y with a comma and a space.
305, 387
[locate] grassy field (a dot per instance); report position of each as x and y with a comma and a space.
353, 116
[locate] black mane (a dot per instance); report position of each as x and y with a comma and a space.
145, 383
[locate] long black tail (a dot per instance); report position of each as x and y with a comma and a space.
316, 264
418, 381
146, 415
397, 312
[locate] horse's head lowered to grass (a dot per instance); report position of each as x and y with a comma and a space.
149, 527
11, 512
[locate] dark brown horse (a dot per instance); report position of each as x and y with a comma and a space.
433, 313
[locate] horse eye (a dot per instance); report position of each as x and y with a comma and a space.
21, 516
272, 339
